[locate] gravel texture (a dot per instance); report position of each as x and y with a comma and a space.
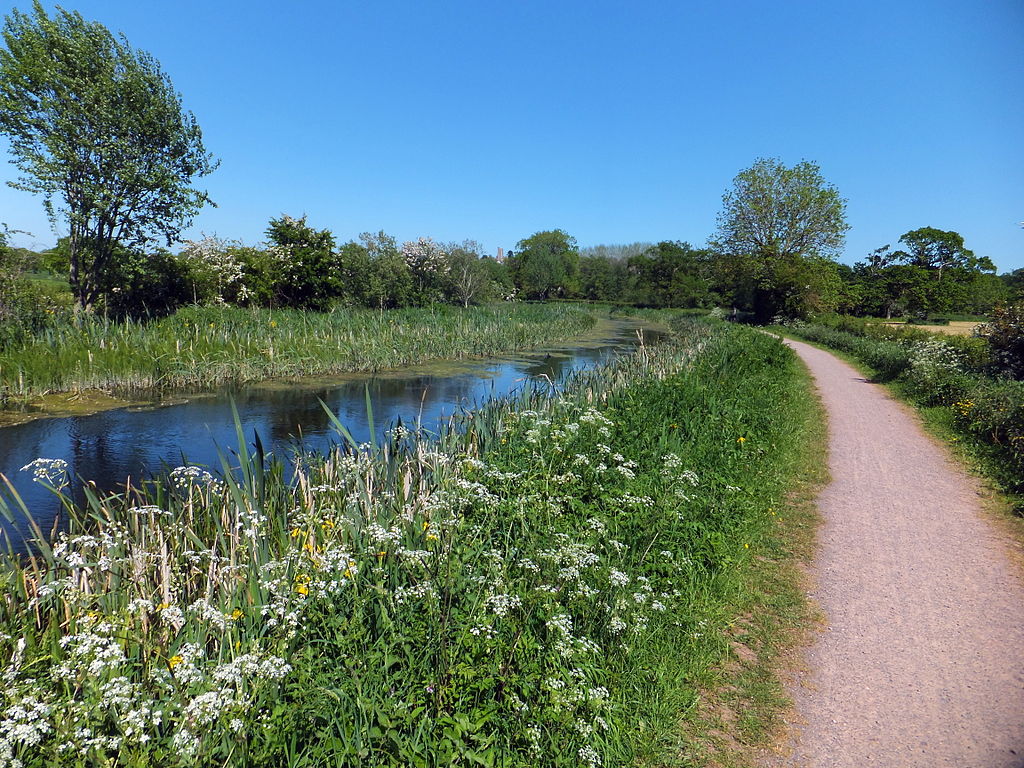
921, 659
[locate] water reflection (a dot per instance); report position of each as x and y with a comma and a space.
136, 443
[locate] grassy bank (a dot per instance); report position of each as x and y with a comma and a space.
553, 584
208, 346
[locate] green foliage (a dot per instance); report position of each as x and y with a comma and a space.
140, 285
547, 585
948, 372
778, 231
545, 265
936, 273
388, 282
97, 129
1004, 333
470, 276
208, 346
939, 250
307, 275
603, 278
27, 307
672, 274
1014, 282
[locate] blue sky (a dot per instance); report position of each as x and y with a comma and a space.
615, 121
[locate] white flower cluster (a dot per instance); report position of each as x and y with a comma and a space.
48, 470
186, 478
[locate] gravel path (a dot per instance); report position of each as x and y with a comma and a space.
921, 660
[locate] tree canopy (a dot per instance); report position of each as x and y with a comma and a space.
778, 231
98, 130
773, 211
934, 272
545, 264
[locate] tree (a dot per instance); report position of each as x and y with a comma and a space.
97, 128
468, 278
777, 226
939, 250
388, 282
671, 274
428, 266
307, 272
545, 264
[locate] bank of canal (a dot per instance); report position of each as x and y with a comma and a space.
139, 441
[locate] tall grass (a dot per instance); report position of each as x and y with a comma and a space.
207, 346
544, 585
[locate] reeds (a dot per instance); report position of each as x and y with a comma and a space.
500, 596
202, 347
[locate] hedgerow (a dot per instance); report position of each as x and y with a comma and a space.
955, 373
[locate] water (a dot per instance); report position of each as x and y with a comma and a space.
138, 442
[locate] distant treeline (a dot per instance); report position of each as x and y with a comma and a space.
300, 266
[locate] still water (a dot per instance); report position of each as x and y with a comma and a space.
141, 441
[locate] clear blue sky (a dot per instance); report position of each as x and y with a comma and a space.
616, 121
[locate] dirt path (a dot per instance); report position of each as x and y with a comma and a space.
921, 660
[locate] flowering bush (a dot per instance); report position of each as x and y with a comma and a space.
1004, 333
936, 372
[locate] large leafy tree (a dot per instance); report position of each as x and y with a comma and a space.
940, 250
98, 130
545, 264
778, 232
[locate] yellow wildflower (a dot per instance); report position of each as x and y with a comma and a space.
174, 661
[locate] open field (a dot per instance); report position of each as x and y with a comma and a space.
955, 327
551, 585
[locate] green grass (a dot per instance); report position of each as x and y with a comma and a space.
49, 281
203, 347
739, 715
554, 583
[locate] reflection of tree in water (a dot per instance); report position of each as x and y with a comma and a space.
551, 367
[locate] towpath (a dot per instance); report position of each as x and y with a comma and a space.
920, 663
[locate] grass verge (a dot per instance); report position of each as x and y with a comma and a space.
554, 583
742, 700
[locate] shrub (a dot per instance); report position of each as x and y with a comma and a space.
951, 372
1005, 336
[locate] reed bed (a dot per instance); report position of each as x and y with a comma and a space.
207, 346
544, 584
